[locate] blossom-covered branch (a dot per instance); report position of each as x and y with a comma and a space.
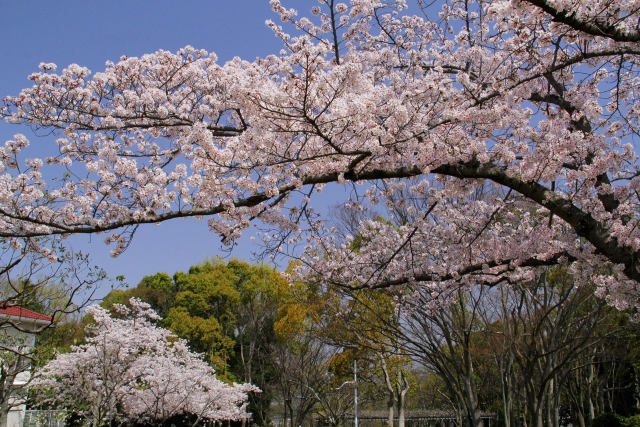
523, 96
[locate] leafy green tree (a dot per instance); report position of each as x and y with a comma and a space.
158, 290
205, 335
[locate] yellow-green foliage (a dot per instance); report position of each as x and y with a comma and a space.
208, 304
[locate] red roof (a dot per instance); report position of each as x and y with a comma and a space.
14, 310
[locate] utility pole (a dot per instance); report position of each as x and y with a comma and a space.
355, 394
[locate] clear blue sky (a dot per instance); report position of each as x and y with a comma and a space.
89, 33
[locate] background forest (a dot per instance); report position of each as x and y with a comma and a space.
542, 352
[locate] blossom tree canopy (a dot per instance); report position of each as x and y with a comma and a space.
512, 121
131, 370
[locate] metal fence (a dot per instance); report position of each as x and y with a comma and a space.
415, 419
34, 418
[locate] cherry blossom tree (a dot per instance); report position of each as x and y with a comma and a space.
534, 101
130, 370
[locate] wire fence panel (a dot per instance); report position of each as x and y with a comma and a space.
37, 418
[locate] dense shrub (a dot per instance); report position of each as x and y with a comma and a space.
615, 420
633, 421
608, 420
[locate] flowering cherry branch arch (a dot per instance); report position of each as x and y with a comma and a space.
520, 94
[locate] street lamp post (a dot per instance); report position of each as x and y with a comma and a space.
355, 394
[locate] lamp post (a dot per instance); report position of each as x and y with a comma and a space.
355, 394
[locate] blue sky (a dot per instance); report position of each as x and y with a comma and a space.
89, 33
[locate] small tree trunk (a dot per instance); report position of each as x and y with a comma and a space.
506, 398
4, 413
391, 391
581, 422
7, 379
592, 412
472, 412
402, 397
4, 402
284, 413
390, 412
556, 410
636, 372
533, 407
401, 404
548, 400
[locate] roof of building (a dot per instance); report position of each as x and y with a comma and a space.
17, 311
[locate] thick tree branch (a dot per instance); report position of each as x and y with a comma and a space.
593, 27
470, 269
582, 222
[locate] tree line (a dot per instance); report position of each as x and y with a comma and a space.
542, 352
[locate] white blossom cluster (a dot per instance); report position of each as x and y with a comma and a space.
131, 370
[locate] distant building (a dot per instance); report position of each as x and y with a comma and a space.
16, 326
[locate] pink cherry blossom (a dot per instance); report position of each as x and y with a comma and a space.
510, 123
132, 370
